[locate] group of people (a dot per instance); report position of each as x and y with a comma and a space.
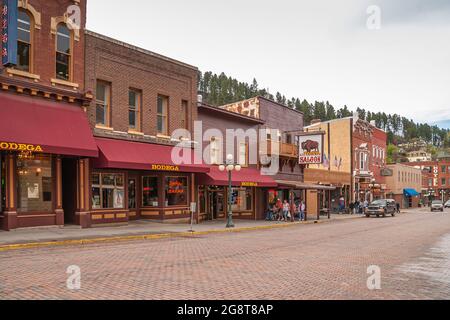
281, 210
358, 207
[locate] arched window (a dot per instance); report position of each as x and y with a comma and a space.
24, 41
63, 52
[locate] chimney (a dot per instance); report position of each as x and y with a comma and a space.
315, 121
373, 123
199, 98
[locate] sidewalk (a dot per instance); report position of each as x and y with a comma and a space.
135, 230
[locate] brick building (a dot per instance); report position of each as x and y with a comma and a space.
436, 178
43, 127
141, 100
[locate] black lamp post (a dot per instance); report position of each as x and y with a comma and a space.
229, 167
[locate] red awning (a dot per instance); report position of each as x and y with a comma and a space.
57, 128
120, 154
246, 177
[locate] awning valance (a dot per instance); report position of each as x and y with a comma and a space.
121, 154
31, 124
304, 186
411, 193
247, 177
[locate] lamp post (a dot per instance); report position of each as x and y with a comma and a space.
229, 167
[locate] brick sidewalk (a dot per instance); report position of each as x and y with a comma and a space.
134, 228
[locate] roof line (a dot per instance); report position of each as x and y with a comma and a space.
234, 114
138, 49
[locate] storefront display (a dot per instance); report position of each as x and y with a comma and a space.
241, 199
150, 192
108, 191
176, 191
34, 184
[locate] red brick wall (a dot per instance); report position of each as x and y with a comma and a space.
44, 43
128, 67
379, 140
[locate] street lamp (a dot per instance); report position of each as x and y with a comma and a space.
229, 167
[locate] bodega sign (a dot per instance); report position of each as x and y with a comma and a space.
311, 148
21, 147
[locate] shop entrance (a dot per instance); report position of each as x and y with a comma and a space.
216, 197
69, 189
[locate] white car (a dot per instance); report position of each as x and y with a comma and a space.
437, 205
447, 204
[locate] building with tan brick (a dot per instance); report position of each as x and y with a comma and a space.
404, 184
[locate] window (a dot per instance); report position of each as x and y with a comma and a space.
134, 111
162, 123
241, 199
108, 191
362, 161
202, 199
150, 192
132, 194
2, 184
63, 52
184, 115
103, 103
176, 191
430, 182
24, 41
243, 154
214, 150
35, 185
444, 181
288, 138
443, 169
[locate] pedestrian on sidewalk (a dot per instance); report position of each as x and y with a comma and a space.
286, 207
302, 211
398, 207
352, 208
279, 208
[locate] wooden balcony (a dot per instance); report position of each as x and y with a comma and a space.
285, 150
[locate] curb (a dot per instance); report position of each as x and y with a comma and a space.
81, 242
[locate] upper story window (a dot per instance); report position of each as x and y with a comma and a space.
214, 150
243, 154
63, 52
24, 41
134, 109
444, 169
103, 103
162, 119
184, 115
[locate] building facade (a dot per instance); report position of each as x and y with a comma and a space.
435, 179
404, 184
45, 140
144, 104
355, 155
248, 185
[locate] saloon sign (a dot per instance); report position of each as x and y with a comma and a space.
310, 149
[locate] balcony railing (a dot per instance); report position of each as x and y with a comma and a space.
287, 150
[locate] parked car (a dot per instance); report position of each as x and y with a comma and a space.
381, 207
437, 205
447, 204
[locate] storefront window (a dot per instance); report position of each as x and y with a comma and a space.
241, 199
132, 194
108, 191
202, 199
150, 192
176, 191
35, 185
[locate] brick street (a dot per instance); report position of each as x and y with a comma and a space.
322, 261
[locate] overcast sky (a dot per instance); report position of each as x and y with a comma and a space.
313, 49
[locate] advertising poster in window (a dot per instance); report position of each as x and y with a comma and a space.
118, 199
311, 149
33, 191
